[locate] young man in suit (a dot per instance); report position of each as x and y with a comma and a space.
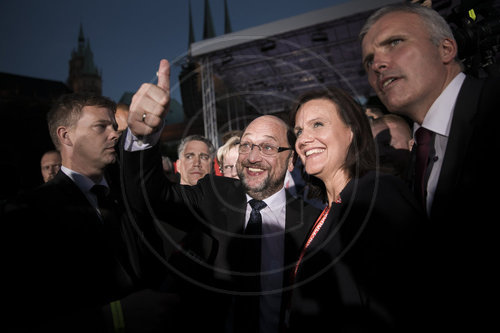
218, 211
410, 56
89, 265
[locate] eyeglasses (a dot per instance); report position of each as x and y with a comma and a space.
264, 148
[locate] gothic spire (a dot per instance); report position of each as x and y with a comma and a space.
88, 61
191, 30
80, 35
81, 40
227, 22
208, 25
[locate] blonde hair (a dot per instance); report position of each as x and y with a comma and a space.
232, 142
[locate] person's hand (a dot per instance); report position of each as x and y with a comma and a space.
150, 104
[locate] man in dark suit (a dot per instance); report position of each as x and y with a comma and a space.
82, 263
219, 212
410, 56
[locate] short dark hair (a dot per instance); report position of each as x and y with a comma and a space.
361, 153
67, 110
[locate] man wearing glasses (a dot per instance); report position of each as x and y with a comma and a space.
248, 231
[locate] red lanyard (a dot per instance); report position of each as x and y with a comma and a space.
317, 226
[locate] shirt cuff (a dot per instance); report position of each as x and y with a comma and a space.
133, 143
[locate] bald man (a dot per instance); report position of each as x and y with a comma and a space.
221, 207
121, 116
50, 164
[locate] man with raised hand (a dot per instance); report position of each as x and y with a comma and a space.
225, 283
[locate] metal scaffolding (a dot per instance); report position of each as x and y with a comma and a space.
209, 109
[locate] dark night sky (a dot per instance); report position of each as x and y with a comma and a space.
127, 37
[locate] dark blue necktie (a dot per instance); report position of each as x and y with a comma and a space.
254, 225
103, 201
247, 310
111, 234
254, 231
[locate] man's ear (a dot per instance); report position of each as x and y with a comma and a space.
411, 143
448, 50
64, 136
291, 161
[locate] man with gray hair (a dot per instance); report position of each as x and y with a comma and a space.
196, 154
410, 56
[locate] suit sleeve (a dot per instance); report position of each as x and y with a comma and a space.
148, 192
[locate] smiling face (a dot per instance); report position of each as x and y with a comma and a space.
323, 140
262, 175
404, 67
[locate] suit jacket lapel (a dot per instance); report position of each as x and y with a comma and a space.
73, 194
299, 221
236, 217
297, 226
110, 234
228, 223
460, 132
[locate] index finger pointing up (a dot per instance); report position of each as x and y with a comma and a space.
163, 75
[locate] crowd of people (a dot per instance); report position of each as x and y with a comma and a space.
391, 231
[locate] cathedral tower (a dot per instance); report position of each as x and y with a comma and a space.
84, 77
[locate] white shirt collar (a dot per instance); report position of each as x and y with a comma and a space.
438, 118
83, 182
275, 201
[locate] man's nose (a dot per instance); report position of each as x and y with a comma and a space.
115, 134
379, 63
197, 160
254, 154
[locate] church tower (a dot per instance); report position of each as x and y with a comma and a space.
84, 77
208, 24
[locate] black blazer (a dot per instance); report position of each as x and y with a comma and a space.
361, 271
464, 210
69, 262
471, 149
213, 211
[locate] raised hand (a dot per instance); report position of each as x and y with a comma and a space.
150, 104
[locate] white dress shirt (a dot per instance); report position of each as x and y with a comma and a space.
438, 119
132, 143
